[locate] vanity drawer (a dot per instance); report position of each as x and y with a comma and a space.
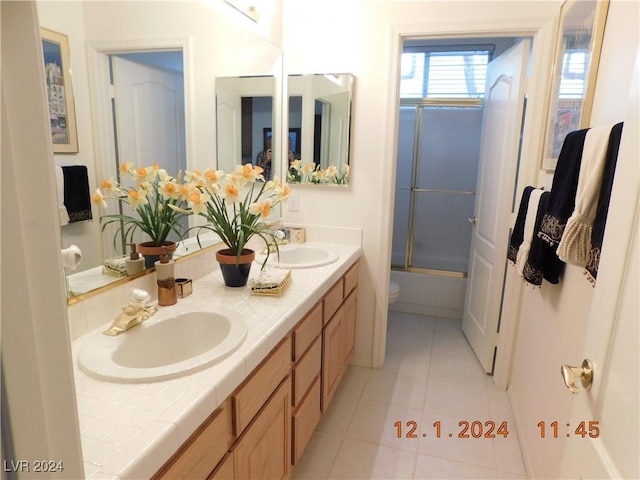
200, 454
305, 419
332, 300
306, 331
255, 391
306, 371
350, 279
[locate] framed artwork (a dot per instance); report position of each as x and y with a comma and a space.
577, 55
55, 48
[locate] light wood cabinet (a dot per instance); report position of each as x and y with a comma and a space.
264, 450
224, 471
305, 418
331, 357
261, 430
203, 450
339, 338
349, 328
255, 390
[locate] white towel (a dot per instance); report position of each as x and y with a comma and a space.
575, 245
71, 257
63, 215
529, 226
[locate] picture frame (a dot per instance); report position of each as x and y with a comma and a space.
55, 49
575, 67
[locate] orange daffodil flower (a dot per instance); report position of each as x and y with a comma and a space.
263, 209
137, 198
198, 201
331, 171
98, 198
212, 177
229, 192
246, 173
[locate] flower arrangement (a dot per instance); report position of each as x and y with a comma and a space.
234, 204
312, 173
151, 197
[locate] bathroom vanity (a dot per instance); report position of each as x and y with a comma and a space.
251, 414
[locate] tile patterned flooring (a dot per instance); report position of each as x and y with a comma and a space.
430, 375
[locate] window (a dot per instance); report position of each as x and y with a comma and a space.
444, 74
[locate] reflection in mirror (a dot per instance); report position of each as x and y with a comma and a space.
245, 123
319, 127
148, 128
215, 42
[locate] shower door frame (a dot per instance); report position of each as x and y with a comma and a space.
415, 166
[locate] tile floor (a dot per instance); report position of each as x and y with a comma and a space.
430, 375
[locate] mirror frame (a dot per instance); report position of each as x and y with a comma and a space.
559, 122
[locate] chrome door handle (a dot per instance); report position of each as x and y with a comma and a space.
472, 220
584, 373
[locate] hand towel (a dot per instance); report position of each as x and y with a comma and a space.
518, 227
563, 188
600, 220
71, 257
542, 263
529, 224
76, 193
576, 240
63, 215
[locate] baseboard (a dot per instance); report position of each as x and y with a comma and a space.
526, 459
429, 310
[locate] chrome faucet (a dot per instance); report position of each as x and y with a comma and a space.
133, 314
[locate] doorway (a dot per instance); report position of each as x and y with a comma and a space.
148, 113
443, 131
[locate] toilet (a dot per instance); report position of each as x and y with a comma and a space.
394, 291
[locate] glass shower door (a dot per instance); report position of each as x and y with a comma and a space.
435, 188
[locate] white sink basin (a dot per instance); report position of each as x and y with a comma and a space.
299, 256
162, 348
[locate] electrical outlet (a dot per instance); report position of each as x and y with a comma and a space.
294, 202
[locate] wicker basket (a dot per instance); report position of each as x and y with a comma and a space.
271, 289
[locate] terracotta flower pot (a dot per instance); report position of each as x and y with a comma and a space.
152, 253
235, 271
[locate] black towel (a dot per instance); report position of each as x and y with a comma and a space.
597, 234
76, 193
518, 228
563, 188
542, 263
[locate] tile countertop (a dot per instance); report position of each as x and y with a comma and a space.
128, 430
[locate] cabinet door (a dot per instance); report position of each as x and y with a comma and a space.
224, 471
349, 328
264, 450
331, 357
305, 419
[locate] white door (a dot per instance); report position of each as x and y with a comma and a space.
149, 113
229, 128
502, 119
610, 409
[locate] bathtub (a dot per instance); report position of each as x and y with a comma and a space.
429, 294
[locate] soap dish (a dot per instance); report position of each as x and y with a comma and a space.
271, 282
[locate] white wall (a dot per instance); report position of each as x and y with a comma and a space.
358, 39
553, 318
36, 354
66, 18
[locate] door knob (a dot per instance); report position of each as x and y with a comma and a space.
584, 373
472, 220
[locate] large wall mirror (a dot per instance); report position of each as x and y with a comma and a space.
319, 128
191, 44
246, 123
